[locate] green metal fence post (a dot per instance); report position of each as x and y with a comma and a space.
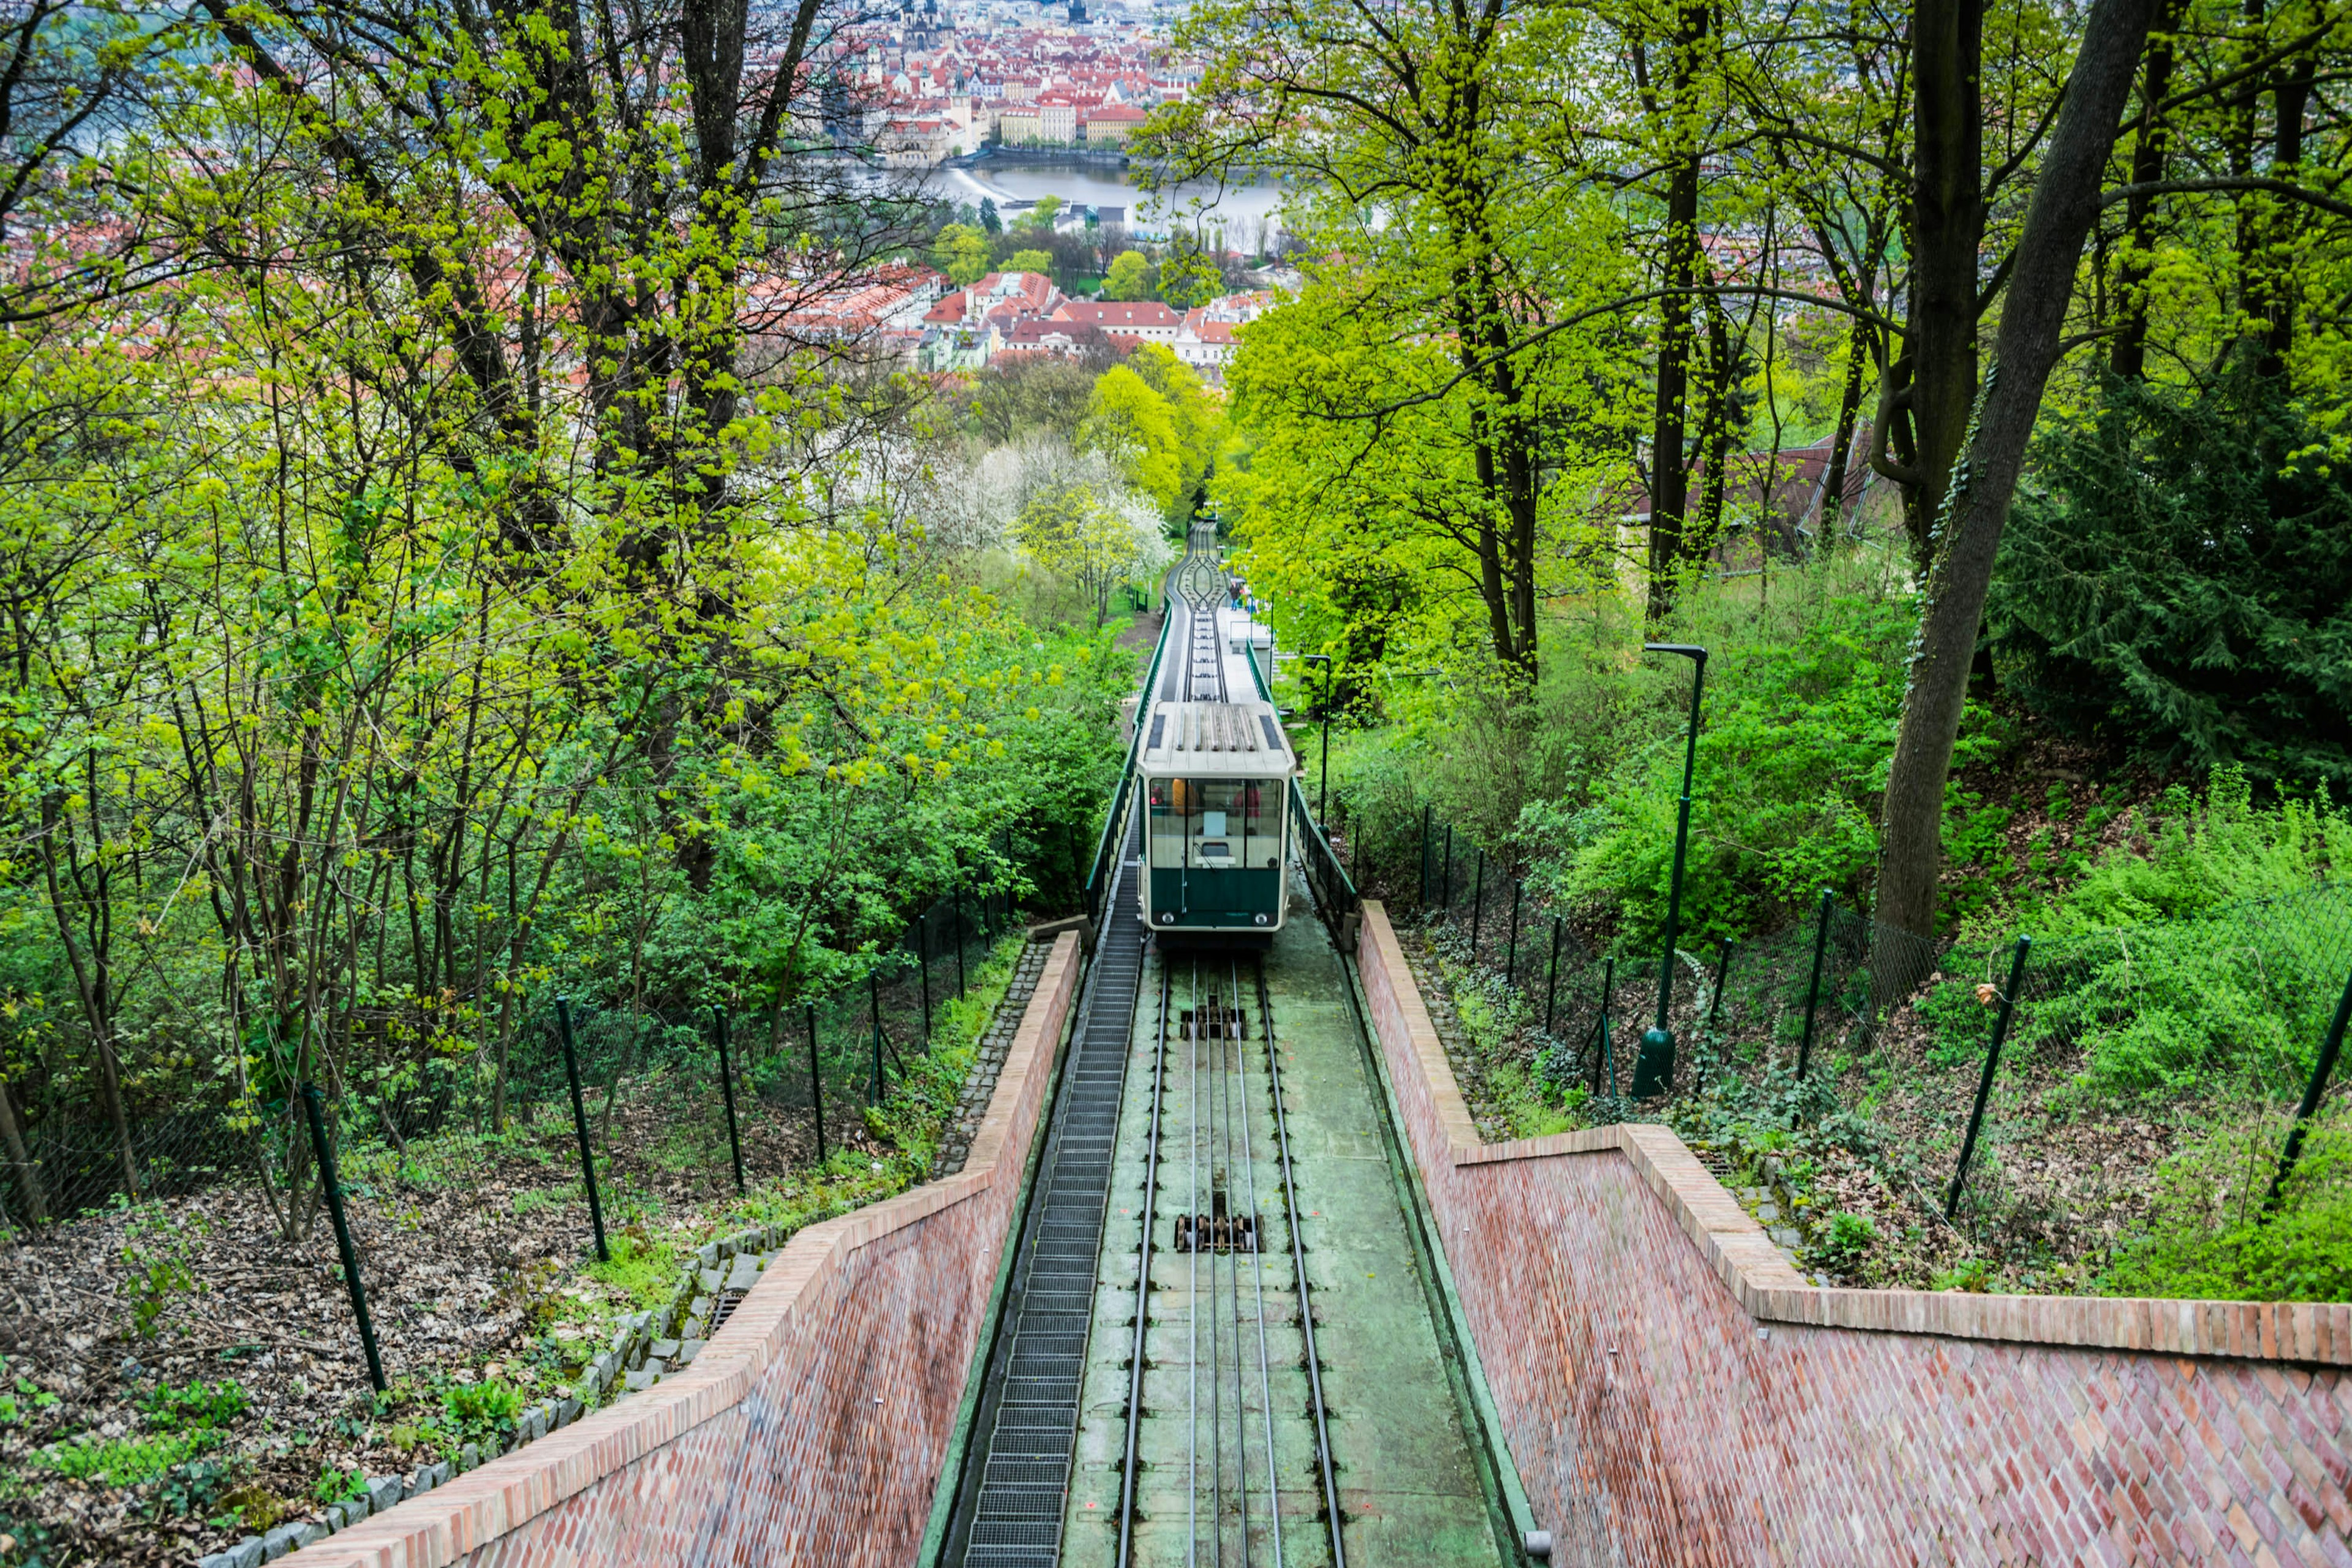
727, 1092
1813, 991
1551, 985
1477, 904
1511, 953
1449, 867
2311, 1092
1722, 968
1600, 1026
1984, 1084
1607, 1034
579, 1124
1424, 857
816, 1083
959, 941
334, 1185
874, 995
923, 963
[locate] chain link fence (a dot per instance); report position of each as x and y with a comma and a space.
2024, 1089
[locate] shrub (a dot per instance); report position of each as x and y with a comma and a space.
2209, 1237
487, 1409
1844, 1239
2184, 579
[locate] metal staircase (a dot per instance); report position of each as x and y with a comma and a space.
1011, 1514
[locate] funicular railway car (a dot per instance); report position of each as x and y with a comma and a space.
1215, 770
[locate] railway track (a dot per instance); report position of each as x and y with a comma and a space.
1220, 1259
1154, 1389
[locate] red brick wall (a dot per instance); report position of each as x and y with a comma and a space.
1673, 1391
813, 1426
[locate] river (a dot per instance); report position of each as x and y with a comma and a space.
1243, 209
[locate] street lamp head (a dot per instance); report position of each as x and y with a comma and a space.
1688, 650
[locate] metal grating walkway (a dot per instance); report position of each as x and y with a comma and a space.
1011, 1514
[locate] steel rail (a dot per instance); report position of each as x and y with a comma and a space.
1216, 1370
1228, 1048
1257, 1277
1298, 1263
1143, 1275
1192, 1288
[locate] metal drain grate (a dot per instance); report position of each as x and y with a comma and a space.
728, 1301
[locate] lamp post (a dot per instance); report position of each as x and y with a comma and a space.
1323, 780
1653, 1071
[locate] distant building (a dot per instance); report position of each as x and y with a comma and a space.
1112, 124
916, 143
1058, 119
1124, 323
1017, 125
1036, 338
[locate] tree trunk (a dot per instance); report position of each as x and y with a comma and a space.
2290, 99
1841, 442
1670, 410
28, 1175
2150, 136
1946, 239
2065, 200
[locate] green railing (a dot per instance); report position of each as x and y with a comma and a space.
1099, 878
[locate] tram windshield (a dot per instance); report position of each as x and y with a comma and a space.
1220, 824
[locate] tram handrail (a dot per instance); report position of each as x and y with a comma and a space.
1106, 846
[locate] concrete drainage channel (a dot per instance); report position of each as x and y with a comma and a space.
644, 1350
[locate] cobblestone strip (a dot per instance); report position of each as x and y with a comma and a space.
955, 1144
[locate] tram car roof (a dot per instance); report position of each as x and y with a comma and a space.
1216, 740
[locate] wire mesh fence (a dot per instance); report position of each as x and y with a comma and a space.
2023, 1089
648, 1072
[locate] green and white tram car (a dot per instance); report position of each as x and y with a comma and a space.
1215, 770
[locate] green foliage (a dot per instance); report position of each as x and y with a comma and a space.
1154, 419
639, 1270
2181, 576
2208, 1235
337, 1485
1843, 1238
1189, 275
160, 1250
1127, 280
961, 252
124, 1461
193, 1487
1040, 216
486, 1409
1028, 261
990, 222
194, 1407
1801, 706
2202, 854
1366, 534
1097, 544
1973, 1274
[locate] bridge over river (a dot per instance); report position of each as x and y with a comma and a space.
1229, 1277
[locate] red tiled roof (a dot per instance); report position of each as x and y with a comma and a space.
1119, 315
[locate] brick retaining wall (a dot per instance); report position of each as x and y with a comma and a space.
811, 1429
1674, 1392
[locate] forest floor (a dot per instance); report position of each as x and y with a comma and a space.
176, 1375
